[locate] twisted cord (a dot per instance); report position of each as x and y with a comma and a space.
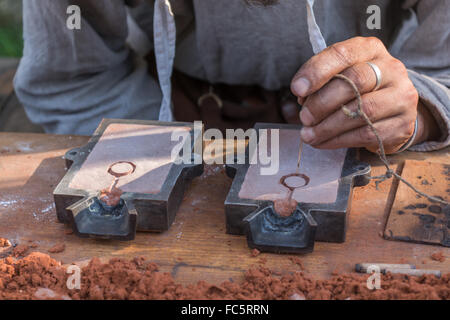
359, 113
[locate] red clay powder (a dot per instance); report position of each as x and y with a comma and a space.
4, 243
60, 247
20, 250
438, 256
38, 276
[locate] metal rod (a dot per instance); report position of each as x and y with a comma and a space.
413, 272
300, 149
113, 184
362, 267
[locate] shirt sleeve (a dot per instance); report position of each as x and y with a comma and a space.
423, 45
68, 80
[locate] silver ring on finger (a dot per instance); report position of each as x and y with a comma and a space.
378, 75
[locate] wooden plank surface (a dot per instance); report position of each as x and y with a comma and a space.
415, 218
196, 247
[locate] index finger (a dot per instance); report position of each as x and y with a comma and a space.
319, 70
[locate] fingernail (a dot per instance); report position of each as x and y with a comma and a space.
306, 117
301, 86
307, 134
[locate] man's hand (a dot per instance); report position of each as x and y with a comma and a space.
392, 108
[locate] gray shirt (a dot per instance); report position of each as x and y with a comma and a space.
69, 79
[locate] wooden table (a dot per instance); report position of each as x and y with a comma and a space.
196, 247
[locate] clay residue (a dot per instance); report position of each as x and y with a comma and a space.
297, 261
438, 256
285, 207
111, 197
38, 276
20, 250
20, 279
255, 253
4, 243
60, 247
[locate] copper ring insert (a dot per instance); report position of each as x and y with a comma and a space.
300, 175
121, 174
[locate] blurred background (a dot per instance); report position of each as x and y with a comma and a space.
11, 43
12, 115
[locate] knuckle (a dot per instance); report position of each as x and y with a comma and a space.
358, 76
408, 95
318, 104
366, 135
369, 106
398, 67
342, 53
409, 126
411, 95
374, 41
323, 133
405, 129
338, 142
310, 69
359, 41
